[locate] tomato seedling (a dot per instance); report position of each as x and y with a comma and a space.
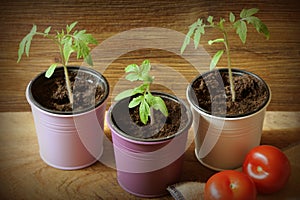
229, 184
197, 29
146, 101
268, 167
68, 43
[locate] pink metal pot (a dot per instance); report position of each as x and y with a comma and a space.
68, 140
146, 167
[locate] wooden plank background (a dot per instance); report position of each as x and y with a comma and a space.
276, 60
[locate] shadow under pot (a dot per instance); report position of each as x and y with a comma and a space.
225, 131
149, 157
69, 136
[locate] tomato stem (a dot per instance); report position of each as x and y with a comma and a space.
259, 169
232, 186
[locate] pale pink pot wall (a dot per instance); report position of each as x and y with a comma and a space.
69, 141
222, 143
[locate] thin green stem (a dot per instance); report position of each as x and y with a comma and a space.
229, 65
227, 47
68, 84
64, 63
67, 79
152, 118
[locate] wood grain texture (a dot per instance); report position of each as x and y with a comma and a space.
276, 60
25, 176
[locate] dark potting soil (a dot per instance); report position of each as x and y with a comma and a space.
214, 95
86, 92
161, 127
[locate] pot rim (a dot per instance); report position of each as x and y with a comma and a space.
231, 117
33, 101
127, 137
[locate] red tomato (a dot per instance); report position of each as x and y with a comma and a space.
229, 184
268, 167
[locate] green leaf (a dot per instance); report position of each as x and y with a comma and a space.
68, 49
161, 106
248, 12
135, 101
140, 89
50, 70
210, 42
216, 59
210, 19
132, 68
30, 36
81, 48
144, 111
147, 79
88, 59
145, 68
21, 49
132, 77
24, 45
241, 30
197, 36
221, 23
259, 25
146, 62
157, 103
150, 99
27, 46
81, 42
231, 17
69, 28
262, 28
188, 36
33, 30
47, 30
185, 43
252, 11
88, 39
243, 13
139, 73
256, 22
124, 94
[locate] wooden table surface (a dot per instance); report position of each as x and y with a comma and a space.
25, 176
129, 32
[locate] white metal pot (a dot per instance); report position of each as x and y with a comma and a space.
222, 142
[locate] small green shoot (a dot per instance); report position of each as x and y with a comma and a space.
197, 29
143, 97
68, 43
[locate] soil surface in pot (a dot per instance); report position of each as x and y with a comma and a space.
128, 121
86, 93
214, 95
